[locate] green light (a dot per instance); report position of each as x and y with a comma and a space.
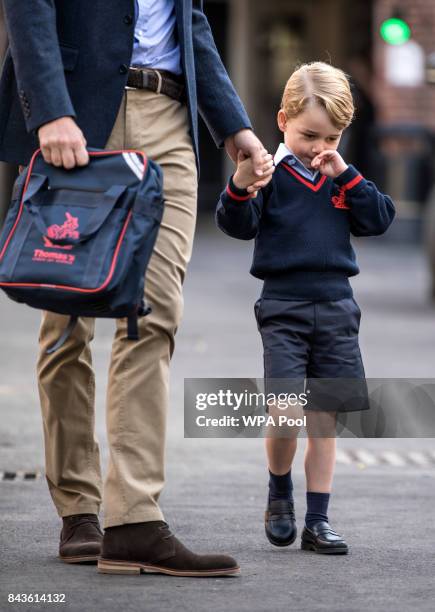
395, 31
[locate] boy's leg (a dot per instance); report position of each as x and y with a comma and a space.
319, 465
335, 354
317, 534
280, 453
320, 452
284, 331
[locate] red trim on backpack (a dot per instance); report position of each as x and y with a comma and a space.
118, 246
237, 197
11, 233
79, 289
300, 178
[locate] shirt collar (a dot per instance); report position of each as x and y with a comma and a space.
283, 151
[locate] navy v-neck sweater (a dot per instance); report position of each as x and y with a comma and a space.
302, 230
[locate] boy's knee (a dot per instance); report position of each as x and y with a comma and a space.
321, 424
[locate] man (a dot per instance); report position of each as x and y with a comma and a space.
64, 85
8, 172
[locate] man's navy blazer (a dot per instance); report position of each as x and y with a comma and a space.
70, 57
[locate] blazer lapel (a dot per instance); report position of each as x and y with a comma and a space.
181, 8
183, 12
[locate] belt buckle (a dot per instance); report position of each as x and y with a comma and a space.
159, 81
145, 79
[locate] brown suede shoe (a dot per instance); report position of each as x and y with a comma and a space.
151, 548
80, 539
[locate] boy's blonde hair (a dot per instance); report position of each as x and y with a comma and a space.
321, 83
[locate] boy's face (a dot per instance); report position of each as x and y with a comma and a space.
310, 133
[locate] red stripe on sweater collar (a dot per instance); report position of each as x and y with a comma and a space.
312, 186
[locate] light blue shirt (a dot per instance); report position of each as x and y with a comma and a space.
283, 151
155, 39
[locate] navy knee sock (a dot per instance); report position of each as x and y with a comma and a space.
317, 508
280, 487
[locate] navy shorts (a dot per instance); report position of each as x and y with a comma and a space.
312, 340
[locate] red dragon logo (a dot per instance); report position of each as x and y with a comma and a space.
340, 200
67, 230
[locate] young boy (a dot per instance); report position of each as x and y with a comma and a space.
302, 220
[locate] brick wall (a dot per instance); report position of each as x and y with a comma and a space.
404, 104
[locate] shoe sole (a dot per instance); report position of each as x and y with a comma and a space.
323, 551
82, 559
277, 542
128, 568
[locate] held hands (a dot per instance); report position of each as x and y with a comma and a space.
330, 163
246, 176
63, 144
242, 145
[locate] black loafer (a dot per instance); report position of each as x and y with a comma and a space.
279, 522
322, 539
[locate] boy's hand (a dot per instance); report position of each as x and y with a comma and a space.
330, 163
246, 177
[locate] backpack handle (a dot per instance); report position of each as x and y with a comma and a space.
98, 217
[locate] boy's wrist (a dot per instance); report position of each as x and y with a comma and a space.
238, 183
236, 188
342, 168
347, 175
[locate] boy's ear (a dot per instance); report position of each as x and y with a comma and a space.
282, 120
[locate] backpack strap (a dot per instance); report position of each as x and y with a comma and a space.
132, 327
65, 335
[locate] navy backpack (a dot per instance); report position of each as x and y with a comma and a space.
77, 242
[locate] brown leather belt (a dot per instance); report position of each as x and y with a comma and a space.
160, 81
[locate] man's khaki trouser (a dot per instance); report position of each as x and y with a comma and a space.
137, 394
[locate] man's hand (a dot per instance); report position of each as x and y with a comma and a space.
330, 163
247, 143
63, 144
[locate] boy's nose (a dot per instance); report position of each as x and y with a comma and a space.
317, 148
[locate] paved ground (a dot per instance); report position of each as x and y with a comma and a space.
215, 492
